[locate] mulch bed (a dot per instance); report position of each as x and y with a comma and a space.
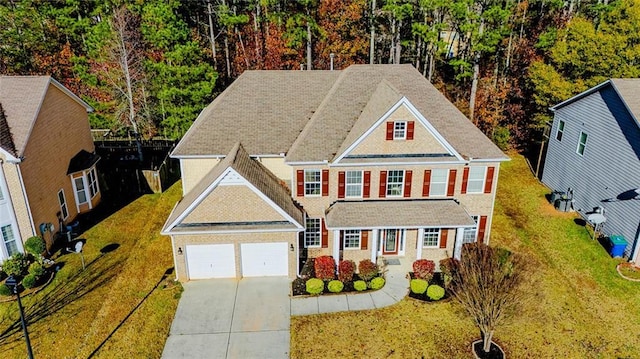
629, 267
437, 280
46, 278
299, 287
494, 351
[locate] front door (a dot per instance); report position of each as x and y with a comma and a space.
390, 240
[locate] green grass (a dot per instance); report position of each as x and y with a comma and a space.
114, 308
577, 307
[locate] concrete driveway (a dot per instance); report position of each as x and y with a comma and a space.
229, 318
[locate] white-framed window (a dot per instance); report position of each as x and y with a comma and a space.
93, 182
312, 182
400, 130
431, 238
351, 239
560, 130
395, 183
475, 181
312, 234
353, 184
9, 240
63, 204
470, 234
582, 143
438, 186
81, 194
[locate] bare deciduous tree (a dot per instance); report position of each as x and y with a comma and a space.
488, 283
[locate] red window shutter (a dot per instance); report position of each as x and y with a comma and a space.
390, 130
444, 233
300, 182
482, 226
383, 184
341, 240
364, 240
341, 177
452, 182
407, 183
325, 183
426, 184
366, 186
465, 179
325, 235
488, 183
410, 128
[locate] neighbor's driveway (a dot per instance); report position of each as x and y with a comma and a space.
229, 318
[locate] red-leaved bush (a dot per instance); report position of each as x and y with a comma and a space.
367, 269
423, 269
325, 268
346, 269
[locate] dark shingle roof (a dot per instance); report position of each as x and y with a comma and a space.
398, 214
629, 90
312, 115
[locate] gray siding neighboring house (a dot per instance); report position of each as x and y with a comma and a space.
607, 173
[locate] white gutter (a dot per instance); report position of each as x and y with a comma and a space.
26, 200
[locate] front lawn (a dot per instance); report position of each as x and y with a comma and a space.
118, 307
579, 306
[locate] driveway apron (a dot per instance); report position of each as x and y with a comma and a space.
229, 318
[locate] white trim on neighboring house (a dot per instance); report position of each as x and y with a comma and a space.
175, 258
398, 227
421, 119
26, 200
12, 214
386, 164
212, 187
487, 229
488, 160
182, 174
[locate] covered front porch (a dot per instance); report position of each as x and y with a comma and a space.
411, 229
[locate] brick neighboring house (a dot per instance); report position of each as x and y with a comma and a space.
47, 160
368, 162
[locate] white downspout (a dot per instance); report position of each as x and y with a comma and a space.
636, 248
457, 249
175, 260
26, 200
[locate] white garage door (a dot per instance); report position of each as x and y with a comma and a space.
264, 259
211, 261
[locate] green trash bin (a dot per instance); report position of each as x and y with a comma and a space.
618, 244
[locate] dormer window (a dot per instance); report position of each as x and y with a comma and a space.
399, 130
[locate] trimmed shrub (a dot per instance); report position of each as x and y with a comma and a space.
35, 246
36, 269
418, 286
346, 270
325, 268
435, 292
446, 267
4, 290
423, 269
335, 286
29, 281
314, 286
360, 285
16, 265
367, 269
377, 283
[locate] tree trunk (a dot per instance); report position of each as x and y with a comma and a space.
372, 42
396, 57
486, 341
212, 38
418, 53
474, 87
226, 55
308, 43
256, 36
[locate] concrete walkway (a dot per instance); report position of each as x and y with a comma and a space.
227, 318
395, 288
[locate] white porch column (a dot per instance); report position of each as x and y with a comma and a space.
419, 243
374, 245
457, 249
336, 247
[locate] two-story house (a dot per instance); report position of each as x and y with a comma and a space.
594, 153
368, 162
47, 160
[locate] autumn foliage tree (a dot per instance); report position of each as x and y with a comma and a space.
488, 282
